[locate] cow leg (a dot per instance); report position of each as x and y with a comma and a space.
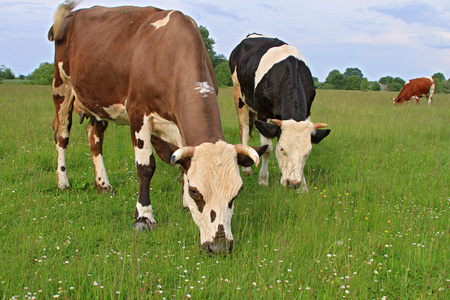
145, 165
63, 98
431, 93
95, 132
264, 172
243, 113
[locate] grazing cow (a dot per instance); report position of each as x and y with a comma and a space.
274, 89
416, 88
148, 68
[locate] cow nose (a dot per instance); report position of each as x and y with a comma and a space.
293, 184
221, 246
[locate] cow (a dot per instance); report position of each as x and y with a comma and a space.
273, 89
148, 68
416, 88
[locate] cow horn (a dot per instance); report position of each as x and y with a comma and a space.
248, 151
182, 153
319, 125
276, 122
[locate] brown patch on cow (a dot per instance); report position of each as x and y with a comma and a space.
140, 144
63, 142
63, 169
213, 217
220, 232
241, 103
198, 198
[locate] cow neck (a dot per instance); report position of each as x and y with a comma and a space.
199, 120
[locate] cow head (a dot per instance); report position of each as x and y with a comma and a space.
294, 144
211, 183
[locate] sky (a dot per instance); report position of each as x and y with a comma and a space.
398, 38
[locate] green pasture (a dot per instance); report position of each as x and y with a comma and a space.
374, 225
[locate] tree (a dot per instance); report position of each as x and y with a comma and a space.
375, 86
42, 75
316, 82
223, 74
385, 80
336, 80
396, 84
353, 83
365, 84
445, 86
6, 73
209, 42
353, 72
439, 78
218, 59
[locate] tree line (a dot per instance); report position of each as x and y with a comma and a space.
351, 79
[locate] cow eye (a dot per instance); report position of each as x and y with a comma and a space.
282, 150
194, 193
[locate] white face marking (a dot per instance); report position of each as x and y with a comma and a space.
203, 88
163, 22
293, 148
214, 173
275, 55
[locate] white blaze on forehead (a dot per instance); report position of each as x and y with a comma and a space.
203, 88
163, 22
273, 56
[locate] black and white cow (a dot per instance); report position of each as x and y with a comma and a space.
274, 89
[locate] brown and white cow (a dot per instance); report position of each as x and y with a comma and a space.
148, 68
416, 88
274, 89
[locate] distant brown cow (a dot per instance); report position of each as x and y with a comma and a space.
148, 68
416, 88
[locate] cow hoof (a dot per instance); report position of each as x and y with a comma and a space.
104, 189
143, 225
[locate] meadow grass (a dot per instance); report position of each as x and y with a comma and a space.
374, 224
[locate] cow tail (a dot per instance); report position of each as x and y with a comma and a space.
63, 10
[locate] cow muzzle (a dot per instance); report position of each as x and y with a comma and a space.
293, 184
220, 244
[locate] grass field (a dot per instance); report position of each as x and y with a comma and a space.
374, 225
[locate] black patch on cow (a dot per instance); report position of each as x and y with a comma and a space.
285, 92
268, 130
198, 198
145, 174
213, 216
245, 161
63, 169
319, 135
241, 103
140, 143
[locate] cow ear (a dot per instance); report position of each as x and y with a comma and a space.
268, 130
318, 135
246, 161
166, 149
